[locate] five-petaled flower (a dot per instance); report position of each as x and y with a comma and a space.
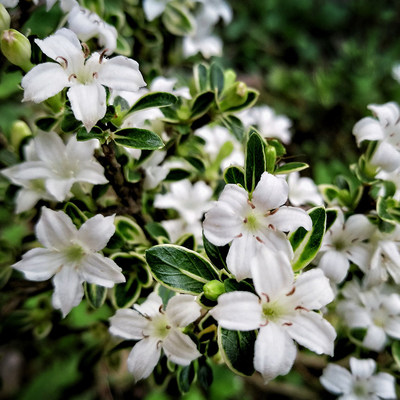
250, 222
85, 77
282, 312
71, 256
157, 329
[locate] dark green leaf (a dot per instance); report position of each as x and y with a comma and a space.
186, 376
204, 375
154, 99
291, 167
77, 216
187, 240
216, 78
69, 122
232, 285
306, 244
217, 255
201, 104
180, 268
254, 160
197, 163
177, 19
201, 77
234, 175
125, 294
177, 174
96, 133
237, 349
129, 230
279, 147
138, 139
331, 215
396, 352
95, 294
251, 99
156, 230
235, 126
46, 123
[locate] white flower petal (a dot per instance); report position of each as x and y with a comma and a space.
392, 327
143, 358
153, 8
368, 129
82, 151
44, 81
386, 156
311, 330
96, 232
335, 265
59, 187
277, 241
358, 227
68, 290
26, 199
55, 229
288, 219
88, 103
39, 264
100, 270
375, 338
388, 113
92, 173
179, 348
313, 290
21, 173
337, 379
271, 192
128, 324
182, 310
240, 254
271, 272
151, 306
238, 311
121, 73
274, 352
362, 368
383, 385
50, 148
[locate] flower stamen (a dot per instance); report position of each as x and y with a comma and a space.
64, 63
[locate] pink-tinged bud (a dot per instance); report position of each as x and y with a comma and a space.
16, 48
4, 19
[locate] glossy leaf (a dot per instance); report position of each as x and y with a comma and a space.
254, 160
154, 99
138, 139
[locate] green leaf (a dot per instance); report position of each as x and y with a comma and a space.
217, 255
187, 240
138, 139
396, 353
197, 163
178, 20
331, 215
129, 230
204, 374
96, 133
156, 230
235, 126
232, 285
185, 377
254, 160
201, 104
234, 175
251, 99
388, 209
279, 147
77, 216
291, 167
179, 268
125, 294
95, 294
237, 350
201, 77
176, 174
216, 78
155, 99
69, 123
306, 244
46, 124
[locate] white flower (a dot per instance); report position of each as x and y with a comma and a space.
385, 130
212, 10
65, 5
85, 78
251, 222
87, 24
57, 167
190, 200
303, 190
344, 243
361, 383
396, 72
268, 123
70, 256
161, 84
9, 3
394, 177
282, 311
154, 172
202, 41
157, 329
215, 137
154, 8
373, 309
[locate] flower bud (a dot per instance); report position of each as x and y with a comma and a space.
234, 96
213, 289
270, 158
16, 48
19, 131
4, 18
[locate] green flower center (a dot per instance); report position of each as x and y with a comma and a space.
272, 311
160, 327
74, 253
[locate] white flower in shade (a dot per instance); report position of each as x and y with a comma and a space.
202, 41
361, 383
268, 123
85, 78
303, 190
212, 10
161, 84
70, 256
345, 242
154, 8
282, 312
157, 329
375, 309
87, 24
154, 172
65, 5
396, 72
215, 137
385, 260
394, 177
250, 222
9, 3
386, 130
56, 169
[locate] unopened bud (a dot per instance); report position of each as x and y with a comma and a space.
234, 96
19, 131
213, 289
16, 48
4, 19
270, 158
